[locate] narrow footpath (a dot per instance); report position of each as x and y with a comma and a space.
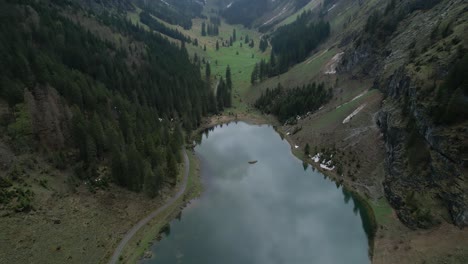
115, 257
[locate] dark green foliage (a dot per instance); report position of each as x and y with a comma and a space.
155, 25
307, 149
207, 71
209, 29
263, 44
245, 11
179, 12
286, 104
121, 97
203, 29
381, 25
228, 78
292, 43
451, 105
223, 95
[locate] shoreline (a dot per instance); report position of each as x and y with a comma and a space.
137, 247
210, 122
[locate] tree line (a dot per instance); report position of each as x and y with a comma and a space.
209, 29
291, 44
155, 25
288, 103
179, 12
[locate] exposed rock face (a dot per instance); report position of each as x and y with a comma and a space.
441, 184
50, 116
426, 163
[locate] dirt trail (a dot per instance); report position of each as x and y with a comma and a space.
115, 257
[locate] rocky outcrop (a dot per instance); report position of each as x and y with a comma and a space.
421, 189
363, 56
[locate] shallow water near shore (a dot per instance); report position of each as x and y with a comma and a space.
273, 211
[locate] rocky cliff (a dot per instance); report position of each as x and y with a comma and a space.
412, 50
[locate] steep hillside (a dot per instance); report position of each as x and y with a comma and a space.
396, 125
417, 51
91, 107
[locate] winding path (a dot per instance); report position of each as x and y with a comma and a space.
144, 221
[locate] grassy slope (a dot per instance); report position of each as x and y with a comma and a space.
241, 64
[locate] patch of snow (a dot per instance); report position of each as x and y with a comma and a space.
289, 133
165, 2
333, 6
325, 167
355, 112
160, 119
359, 95
296, 146
230, 4
316, 158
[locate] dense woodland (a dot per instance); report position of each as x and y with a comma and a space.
122, 104
209, 29
245, 12
291, 44
176, 12
155, 25
288, 103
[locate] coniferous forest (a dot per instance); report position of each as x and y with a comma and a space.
289, 103
118, 104
155, 25
291, 44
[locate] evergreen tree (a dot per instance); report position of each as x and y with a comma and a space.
217, 45
254, 75
203, 29
307, 150
228, 78
207, 71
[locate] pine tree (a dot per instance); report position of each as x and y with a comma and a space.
307, 149
203, 29
254, 76
228, 78
217, 45
207, 71
234, 34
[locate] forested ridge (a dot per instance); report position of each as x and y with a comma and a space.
120, 105
291, 44
155, 25
289, 103
177, 12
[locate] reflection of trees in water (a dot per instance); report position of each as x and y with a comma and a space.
364, 211
346, 195
166, 230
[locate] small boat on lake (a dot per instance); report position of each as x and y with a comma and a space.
253, 161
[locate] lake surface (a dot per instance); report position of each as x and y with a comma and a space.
273, 211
